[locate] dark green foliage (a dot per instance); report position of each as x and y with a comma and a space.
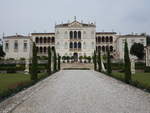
109, 69
95, 61
147, 69
59, 62
127, 65
55, 61
2, 54
49, 61
99, 61
137, 49
34, 66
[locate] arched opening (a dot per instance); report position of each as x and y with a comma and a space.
49, 39
75, 45
44, 49
71, 34
111, 39
103, 48
99, 48
111, 48
37, 39
41, 41
41, 50
75, 35
71, 45
79, 34
103, 39
53, 48
53, 40
45, 39
79, 45
75, 57
107, 39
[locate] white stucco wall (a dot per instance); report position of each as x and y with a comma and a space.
130, 40
62, 35
20, 52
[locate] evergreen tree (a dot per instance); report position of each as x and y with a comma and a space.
59, 62
109, 69
49, 61
95, 61
55, 61
127, 65
99, 61
2, 53
34, 67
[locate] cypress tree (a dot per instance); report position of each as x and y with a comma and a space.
55, 61
95, 61
127, 65
49, 61
109, 69
34, 66
59, 62
99, 61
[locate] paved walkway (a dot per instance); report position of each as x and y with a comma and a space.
82, 91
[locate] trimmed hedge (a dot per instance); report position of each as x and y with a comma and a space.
147, 69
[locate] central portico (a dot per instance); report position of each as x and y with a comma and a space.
75, 39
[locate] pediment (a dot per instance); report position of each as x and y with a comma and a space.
75, 24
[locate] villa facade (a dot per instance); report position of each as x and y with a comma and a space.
70, 39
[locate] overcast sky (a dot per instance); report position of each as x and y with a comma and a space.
26, 16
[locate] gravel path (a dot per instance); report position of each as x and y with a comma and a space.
84, 91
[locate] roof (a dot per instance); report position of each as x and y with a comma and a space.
16, 36
106, 33
42, 33
130, 35
75, 23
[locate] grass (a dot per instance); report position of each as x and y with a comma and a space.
12, 83
142, 78
9, 80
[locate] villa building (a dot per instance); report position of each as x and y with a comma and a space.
70, 39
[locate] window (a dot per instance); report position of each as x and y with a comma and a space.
25, 46
75, 35
53, 39
75, 45
71, 34
37, 40
16, 46
6, 46
79, 34
79, 45
71, 45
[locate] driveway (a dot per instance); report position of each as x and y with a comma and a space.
83, 91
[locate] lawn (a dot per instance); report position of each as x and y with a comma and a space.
143, 78
8, 81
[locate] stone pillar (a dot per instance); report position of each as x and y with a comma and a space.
132, 65
27, 66
102, 64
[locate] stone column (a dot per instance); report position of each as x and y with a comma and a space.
132, 65
27, 66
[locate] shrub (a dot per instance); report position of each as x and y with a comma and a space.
147, 69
